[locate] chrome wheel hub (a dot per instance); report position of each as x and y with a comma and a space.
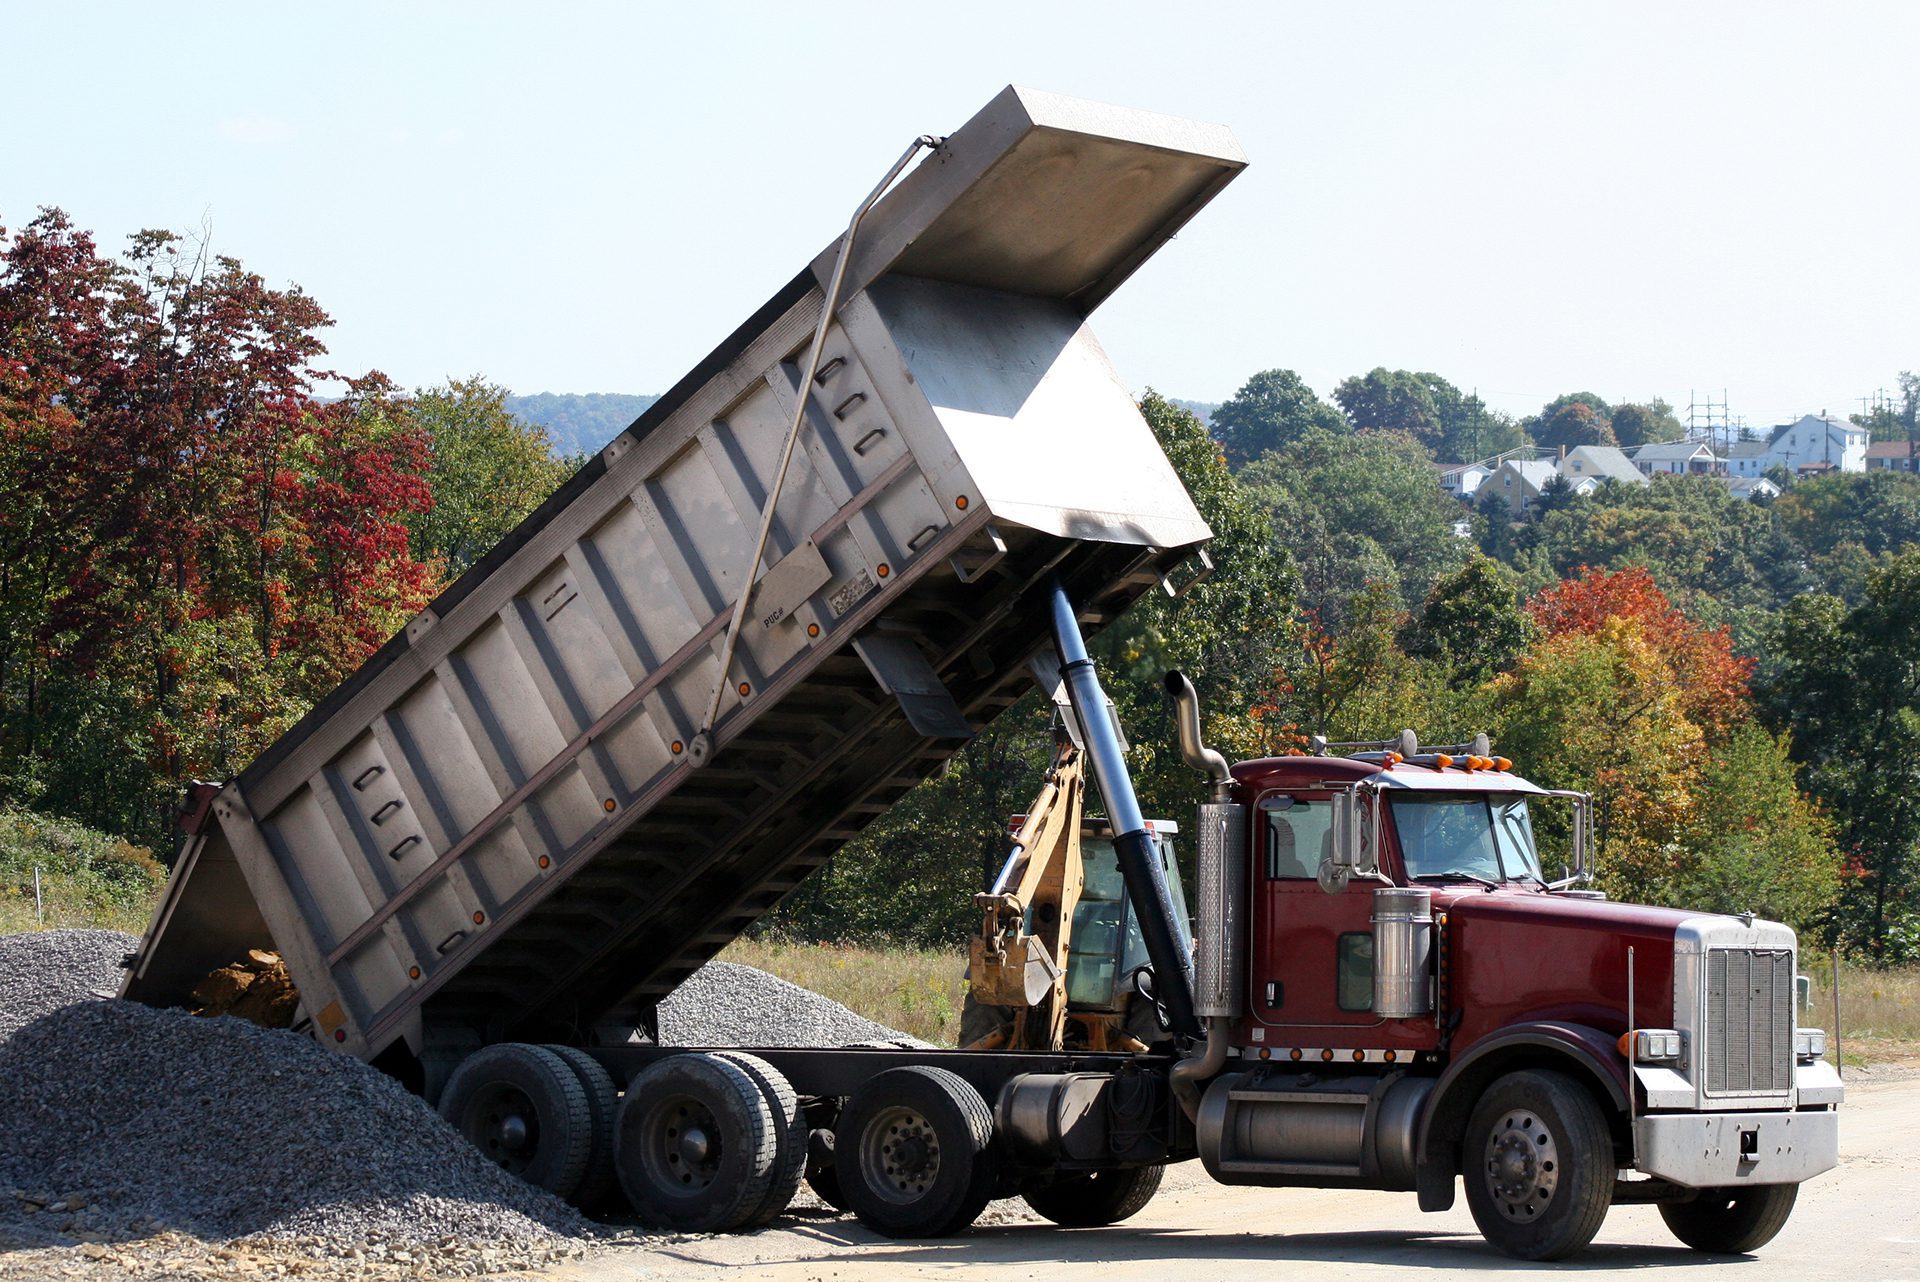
1522, 1165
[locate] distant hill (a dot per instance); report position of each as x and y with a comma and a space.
583, 422
1202, 410
580, 422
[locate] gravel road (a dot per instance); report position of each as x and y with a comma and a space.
1860, 1223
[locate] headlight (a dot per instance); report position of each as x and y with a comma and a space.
1652, 1045
1809, 1043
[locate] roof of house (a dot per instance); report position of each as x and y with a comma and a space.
1745, 486
1829, 421
1749, 449
1671, 451
1888, 449
1604, 462
1533, 473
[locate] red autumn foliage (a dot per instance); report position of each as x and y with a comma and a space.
182, 521
1713, 681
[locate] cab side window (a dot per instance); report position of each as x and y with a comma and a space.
1299, 836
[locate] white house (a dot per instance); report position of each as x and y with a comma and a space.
1752, 487
1818, 443
1749, 458
1676, 457
1589, 465
1463, 480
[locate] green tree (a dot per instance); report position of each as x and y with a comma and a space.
1471, 620
1644, 424
1449, 423
1756, 844
1272, 409
489, 470
1357, 510
1847, 684
1572, 425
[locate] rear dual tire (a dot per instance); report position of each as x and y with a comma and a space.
914, 1155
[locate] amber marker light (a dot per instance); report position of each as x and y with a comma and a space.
479, 919
961, 502
1441, 761
607, 805
413, 972
745, 689
1501, 763
678, 747
1294, 1054
813, 629
885, 569
1327, 1055
544, 862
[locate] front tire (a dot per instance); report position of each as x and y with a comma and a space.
1733, 1221
1539, 1165
1090, 1199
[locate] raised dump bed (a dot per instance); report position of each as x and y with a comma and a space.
505, 826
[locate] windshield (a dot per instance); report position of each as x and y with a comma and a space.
1483, 835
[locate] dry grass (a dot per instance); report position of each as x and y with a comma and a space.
67, 902
918, 992
1879, 1010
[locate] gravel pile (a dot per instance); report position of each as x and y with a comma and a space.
43, 971
725, 1004
200, 1146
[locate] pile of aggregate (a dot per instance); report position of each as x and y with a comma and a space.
726, 1004
132, 1127
45, 970
153, 1143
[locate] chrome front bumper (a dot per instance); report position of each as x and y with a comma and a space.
1712, 1150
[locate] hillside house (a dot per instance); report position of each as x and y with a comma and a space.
1678, 458
1890, 456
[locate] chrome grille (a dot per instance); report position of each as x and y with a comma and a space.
1749, 1021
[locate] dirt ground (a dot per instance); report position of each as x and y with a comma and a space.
1860, 1223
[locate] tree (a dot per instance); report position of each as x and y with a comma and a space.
1601, 410
1472, 620
1272, 409
1572, 425
1846, 682
489, 469
1353, 510
1448, 423
192, 547
1644, 424
1714, 679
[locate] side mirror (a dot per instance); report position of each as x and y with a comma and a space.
1582, 828
1349, 850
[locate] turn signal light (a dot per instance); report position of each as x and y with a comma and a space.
1652, 1044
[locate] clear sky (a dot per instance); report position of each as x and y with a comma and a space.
1529, 198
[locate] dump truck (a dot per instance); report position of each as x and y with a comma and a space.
896, 497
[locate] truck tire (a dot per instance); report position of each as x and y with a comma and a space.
790, 1160
1731, 1220
1090, 1199
1539, 1165
599, 1189
914, 1153
524, 1108
695, 1144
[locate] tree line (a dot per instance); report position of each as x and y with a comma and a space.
195, 546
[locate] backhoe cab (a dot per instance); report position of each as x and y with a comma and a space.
1058, 960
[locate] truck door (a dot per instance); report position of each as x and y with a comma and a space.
1313, 952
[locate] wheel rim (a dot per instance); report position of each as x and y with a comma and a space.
681, 1145
901, 1155
1522, 1166
503, 1124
